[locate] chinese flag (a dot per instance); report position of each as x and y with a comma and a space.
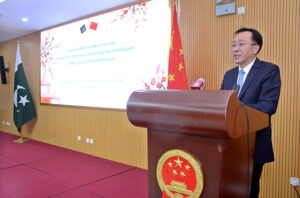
177, 75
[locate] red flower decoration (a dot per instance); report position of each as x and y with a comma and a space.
159, 85
159, 81
146, 85
153, 81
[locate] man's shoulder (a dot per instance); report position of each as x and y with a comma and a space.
266, 70
265, 64
234, 69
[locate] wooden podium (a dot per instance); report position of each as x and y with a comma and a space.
210, 125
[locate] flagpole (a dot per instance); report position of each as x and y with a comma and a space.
178, 11
18, 43
21, 139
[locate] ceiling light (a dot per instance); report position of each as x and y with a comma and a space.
23, 19
1, 1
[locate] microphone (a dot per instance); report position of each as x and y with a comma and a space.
198, 84
236, 88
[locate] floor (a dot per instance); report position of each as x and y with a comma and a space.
37, 170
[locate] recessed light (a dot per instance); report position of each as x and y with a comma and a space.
1, 1
24, 19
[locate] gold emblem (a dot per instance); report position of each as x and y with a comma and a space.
179, 175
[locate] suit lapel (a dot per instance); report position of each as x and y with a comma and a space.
234, 77
250, 78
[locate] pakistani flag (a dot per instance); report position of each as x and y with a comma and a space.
23, 103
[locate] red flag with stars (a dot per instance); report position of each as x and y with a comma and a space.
177, 75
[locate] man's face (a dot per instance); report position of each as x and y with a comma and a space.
244, 50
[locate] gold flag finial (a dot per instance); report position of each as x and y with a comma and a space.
177, 4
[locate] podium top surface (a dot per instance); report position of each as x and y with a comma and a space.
212, 113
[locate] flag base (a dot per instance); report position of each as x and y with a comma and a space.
21, 140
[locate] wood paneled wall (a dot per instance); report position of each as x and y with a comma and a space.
205, 40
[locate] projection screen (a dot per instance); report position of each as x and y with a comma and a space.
99, 61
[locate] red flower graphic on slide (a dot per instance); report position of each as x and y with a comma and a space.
157, 82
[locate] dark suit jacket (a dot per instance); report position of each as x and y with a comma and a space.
260, 91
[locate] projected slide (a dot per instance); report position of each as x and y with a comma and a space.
100, 61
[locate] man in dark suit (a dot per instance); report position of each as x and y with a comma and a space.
260, 84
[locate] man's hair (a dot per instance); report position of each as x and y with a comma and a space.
256, 36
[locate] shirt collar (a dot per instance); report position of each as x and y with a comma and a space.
248, 67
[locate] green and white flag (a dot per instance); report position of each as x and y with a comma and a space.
23, 104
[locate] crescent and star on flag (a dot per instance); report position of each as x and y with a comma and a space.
23, 99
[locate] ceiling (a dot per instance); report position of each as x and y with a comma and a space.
42, 14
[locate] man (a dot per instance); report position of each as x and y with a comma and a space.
260, 84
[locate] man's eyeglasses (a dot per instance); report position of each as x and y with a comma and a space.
239, 45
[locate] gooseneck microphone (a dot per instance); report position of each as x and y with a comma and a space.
236, 88
198, 84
